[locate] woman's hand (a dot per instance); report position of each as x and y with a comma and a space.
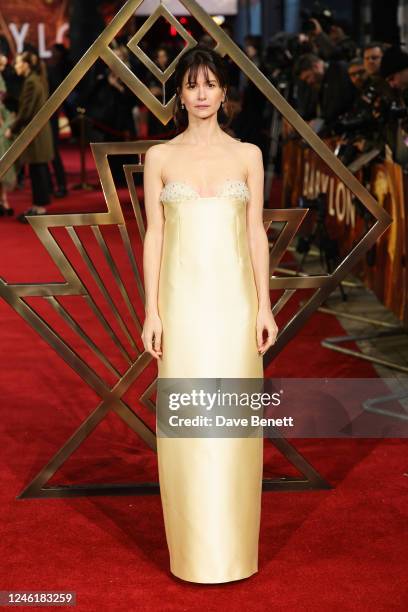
152, 335
8, 134
265, 321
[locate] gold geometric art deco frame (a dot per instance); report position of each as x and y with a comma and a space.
16, 294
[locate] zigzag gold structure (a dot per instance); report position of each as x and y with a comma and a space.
124, 326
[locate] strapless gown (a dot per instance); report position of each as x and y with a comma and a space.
210, 487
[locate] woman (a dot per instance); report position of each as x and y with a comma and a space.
206, 270
40, 151
8, 180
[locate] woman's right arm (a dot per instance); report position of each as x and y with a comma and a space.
152, 249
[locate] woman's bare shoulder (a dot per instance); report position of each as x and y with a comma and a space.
173, 141
250, 156
159, 151
250, 149
154, 152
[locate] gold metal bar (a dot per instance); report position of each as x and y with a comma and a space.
290, 272
294, 219
129, 250
54, 340
145, 398
116, 275
161, 11
72, 286
34, 488
137, 86
307, 282
95, 274
283, 300
101, 318
354, 317
129, 170
79, 330
137, 424
384, 362
111, 400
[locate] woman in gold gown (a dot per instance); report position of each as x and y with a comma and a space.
208, 315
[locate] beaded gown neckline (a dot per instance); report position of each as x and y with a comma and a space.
230, 188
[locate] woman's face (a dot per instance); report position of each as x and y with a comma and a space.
203, 97
20, 66
162, 58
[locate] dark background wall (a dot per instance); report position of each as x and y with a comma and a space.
382, 23
384, 20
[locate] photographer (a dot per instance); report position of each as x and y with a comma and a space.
357, 73
379, 115
372, 55
333, 91
374, 86
361, 128
336, 44
394, 70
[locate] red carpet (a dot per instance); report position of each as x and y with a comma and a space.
342, 549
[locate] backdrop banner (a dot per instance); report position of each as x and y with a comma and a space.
38, 22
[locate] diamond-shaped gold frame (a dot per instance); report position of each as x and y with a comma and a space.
161, 11
15, 294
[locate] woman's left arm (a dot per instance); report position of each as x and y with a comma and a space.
259, 249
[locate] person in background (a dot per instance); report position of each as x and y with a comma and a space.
12, 82
235, 125
161, 57
334, 92
357, 73
336, 44
8, 180
253, 100
45, 71
58, 69
4, 44
394, 68
40, 151
394, 71
372, 54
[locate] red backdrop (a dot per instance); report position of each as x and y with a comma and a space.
39, 22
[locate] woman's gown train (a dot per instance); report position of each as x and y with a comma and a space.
210, 487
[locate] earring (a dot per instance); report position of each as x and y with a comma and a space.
182, 105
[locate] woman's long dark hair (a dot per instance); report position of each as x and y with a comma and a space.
191, 61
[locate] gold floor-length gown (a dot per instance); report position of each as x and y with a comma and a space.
210, 487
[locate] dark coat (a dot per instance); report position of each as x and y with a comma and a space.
32, 99
337, 92
335, 97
